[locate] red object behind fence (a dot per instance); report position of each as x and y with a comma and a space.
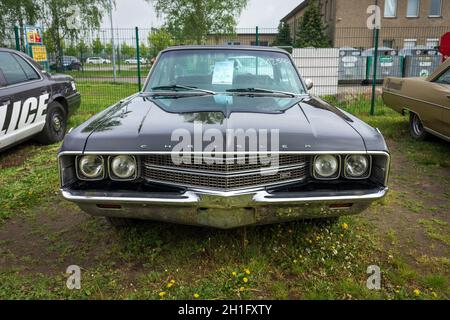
444, 48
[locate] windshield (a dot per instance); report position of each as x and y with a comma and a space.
225, 71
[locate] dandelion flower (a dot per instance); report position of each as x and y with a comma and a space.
196, 295
172, 281
162, 294
170, 285
247, 271
344, 226
234, 274
245, 280
241, 289
417, 292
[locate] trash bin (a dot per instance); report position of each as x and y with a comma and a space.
389, 64
352, 66
421, 62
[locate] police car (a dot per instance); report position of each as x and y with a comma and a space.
33, 103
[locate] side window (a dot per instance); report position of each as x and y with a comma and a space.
29, 71
12, 71
444, 78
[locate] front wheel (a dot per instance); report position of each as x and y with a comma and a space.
416, 127
55, 124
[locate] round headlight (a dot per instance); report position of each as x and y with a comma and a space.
326, 166
124, 167
356, 166
91, 167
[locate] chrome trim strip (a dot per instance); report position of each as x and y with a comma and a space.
107, 153
266, 197
260, 197
185, 198
440, 135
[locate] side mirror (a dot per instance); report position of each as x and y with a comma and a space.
309, 84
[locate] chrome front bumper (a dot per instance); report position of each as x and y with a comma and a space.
224, 211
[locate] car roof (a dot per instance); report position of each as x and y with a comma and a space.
224, 47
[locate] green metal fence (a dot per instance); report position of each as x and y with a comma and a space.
105, 73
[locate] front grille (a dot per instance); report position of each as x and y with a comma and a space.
228, 175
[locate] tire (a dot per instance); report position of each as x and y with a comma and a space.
416, 127
121, 222
55, 124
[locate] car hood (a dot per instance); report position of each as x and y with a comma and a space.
142, 124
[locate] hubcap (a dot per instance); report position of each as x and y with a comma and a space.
57, 122
417, 125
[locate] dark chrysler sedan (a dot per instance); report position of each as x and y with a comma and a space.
223, 137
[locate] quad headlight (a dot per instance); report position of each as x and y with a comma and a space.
123, 167
326, 167
91, 167
357, 166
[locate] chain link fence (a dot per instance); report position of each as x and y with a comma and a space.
110, 65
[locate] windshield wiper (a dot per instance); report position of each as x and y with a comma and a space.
259, 90
177, 86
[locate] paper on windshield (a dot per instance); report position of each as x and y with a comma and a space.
223, 73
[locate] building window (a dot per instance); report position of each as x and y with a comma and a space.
435, 8
413, 8
388, 43
390, 8
409, 43
432, 43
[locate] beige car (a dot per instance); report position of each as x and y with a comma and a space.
427, 100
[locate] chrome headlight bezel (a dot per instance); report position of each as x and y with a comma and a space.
366, 174
113, 176
79, 171
335, 176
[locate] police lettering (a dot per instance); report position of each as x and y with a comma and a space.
17, 115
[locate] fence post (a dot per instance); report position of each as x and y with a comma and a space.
16, 35
375, 64
138, 56
257, 36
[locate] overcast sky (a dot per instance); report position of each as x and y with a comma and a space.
263, 13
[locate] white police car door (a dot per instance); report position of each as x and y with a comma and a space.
23, 99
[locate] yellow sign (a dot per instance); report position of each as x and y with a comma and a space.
39, 53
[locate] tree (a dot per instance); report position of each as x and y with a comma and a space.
190, 21
127, 50
144, 50
66, 18
97, 46
17, 12
311, 30
159, 39
283, 37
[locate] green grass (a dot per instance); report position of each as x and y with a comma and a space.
300, 260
